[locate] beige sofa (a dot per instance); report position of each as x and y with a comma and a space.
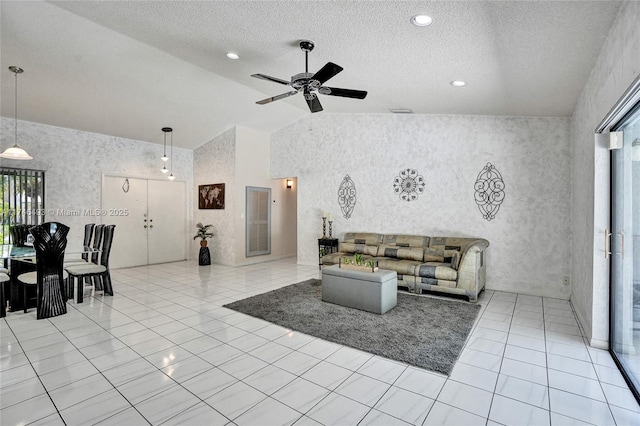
441, 264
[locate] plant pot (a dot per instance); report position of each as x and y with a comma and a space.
203, 243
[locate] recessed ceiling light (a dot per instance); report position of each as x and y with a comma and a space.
422, 20
401, 110
458, 83
232, 55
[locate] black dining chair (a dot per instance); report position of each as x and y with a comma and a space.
99, 272
4, 280
95, 246
86, 245
19, 234
49, 242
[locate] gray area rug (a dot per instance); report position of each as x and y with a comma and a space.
422, 331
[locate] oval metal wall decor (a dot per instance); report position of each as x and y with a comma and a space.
409, 184
489, 191
347, 196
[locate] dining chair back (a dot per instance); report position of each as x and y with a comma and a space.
97, 242
88, 234
19, 234
107, 242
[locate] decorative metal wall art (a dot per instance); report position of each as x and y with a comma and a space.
347, 196
409, 184
125, 186
489, 191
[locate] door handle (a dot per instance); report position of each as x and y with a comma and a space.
607, 243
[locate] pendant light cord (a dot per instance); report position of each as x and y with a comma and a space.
165, 145
15, 127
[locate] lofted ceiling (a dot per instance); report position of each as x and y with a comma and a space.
129, 68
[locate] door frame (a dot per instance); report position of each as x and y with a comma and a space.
624, 108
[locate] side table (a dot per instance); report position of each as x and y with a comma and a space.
326, 246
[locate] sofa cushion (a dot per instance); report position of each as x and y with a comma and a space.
427, 283
409, 253
367, 238
401, 266
440, 271
333, 258
443, 254
357, 248
406, 240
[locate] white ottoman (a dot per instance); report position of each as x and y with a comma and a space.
375, 292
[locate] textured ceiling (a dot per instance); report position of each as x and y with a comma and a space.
129, 68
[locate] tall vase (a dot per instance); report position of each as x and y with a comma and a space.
204, 258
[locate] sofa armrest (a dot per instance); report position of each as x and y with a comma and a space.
472, 268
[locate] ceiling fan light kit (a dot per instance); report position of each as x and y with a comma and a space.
311, 84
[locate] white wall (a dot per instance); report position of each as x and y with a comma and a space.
530, 236
214, 162
74, 162
616, 68
252, 169
239, 158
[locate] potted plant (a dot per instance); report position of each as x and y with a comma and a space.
203, 233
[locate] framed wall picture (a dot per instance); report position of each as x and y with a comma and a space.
211, 196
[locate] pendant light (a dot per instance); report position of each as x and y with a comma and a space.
164, 157
171, 176
15, 152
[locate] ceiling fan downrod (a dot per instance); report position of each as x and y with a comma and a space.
306, 46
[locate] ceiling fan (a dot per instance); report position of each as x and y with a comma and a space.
310, 83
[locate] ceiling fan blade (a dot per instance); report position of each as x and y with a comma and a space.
345, 93
269, 78
312, 101
277, 97
326, 72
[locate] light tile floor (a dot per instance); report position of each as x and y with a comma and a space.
164, 351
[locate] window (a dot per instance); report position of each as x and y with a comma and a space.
22, 199
258, 221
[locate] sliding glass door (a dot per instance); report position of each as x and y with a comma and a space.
625, 249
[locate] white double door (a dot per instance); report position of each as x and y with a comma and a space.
150, 218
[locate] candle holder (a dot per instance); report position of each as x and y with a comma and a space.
324, 227
330, 229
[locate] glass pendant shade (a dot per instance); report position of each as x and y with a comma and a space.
164, 169
171, 177
15, 152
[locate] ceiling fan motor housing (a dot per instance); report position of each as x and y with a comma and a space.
300, 80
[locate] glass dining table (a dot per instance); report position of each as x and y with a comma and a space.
21, 259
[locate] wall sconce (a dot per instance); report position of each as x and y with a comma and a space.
289, 183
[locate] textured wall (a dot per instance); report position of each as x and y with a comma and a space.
530, 236
616, 68
239, 158
74, 162
214, 162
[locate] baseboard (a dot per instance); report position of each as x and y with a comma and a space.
549, 294
599, 344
